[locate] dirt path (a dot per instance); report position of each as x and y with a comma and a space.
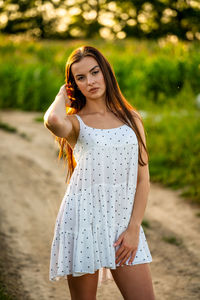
32, 186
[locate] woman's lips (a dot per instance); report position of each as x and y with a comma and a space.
94, 90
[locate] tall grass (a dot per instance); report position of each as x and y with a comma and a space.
32, 72
174, 146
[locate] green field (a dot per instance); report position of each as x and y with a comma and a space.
160, 80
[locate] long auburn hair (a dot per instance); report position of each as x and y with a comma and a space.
115, 102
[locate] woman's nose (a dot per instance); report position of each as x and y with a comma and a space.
90, 80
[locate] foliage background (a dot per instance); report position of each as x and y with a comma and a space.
69, 19
161, 81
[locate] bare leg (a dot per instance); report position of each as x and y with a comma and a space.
83, 287
134, 282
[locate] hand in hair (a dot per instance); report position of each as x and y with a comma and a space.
63, 91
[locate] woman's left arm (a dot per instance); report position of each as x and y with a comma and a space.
129, 239
143, 186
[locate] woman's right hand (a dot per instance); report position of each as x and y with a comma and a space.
63, 92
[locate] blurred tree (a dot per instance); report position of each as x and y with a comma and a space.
19, 16
109, 19
157, 18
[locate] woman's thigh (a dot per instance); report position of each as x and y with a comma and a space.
134, 282
83, 287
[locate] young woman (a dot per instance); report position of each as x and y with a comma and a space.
98, 227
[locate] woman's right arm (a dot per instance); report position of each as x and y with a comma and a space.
55, 118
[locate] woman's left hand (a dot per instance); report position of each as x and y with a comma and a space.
129, 240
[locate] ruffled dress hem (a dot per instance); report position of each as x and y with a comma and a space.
105, 274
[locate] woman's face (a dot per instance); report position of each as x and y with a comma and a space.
88, 75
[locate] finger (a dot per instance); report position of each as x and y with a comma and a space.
119, 240
121, 256
119, 251
132, 257
123, 261
121, 248
125, 258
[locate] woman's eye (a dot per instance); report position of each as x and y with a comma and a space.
95, 72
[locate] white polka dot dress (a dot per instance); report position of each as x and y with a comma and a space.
97, 204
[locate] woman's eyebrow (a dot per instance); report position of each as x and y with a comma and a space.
89, 70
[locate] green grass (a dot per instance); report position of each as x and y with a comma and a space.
146, 224
148, 74
25, 136
4, 295
172, 240
6, 127
173, 138
39, 119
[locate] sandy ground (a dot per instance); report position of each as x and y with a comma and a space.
32, 186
